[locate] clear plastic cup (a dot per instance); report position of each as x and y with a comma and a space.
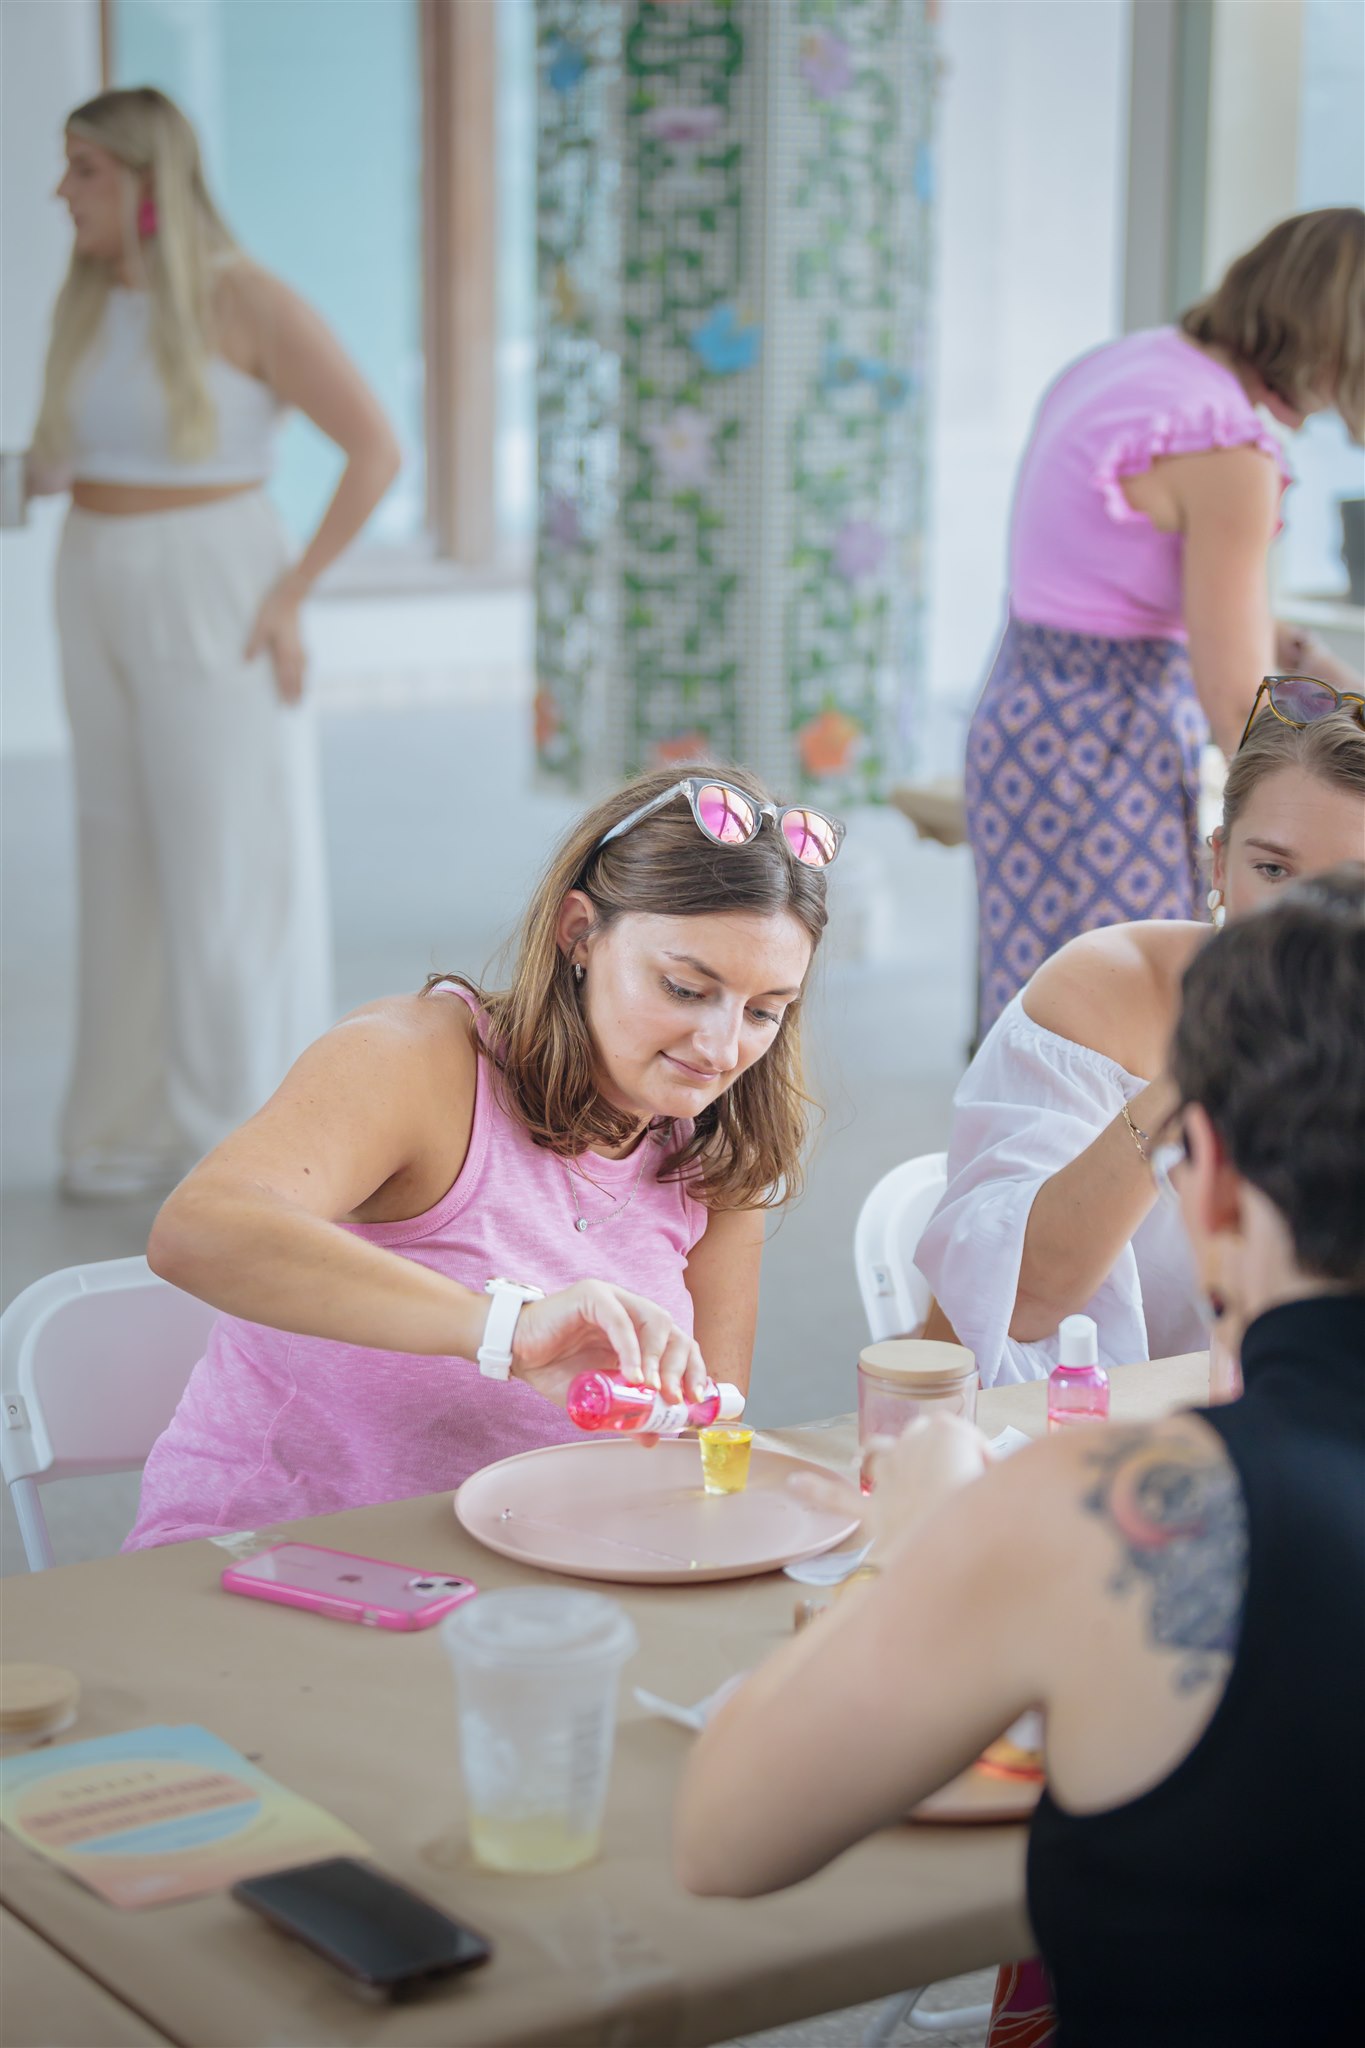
536, 1676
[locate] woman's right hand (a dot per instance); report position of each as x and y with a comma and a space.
594, 1326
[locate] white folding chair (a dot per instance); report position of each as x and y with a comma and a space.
93, 1360
895, 1296
896, 1299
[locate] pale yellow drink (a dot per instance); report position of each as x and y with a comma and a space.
539, 1845
537, 1670
725, 1449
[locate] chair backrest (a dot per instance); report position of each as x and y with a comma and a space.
890, 1223
93, 1360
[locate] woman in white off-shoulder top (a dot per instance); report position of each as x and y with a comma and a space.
1051, 1208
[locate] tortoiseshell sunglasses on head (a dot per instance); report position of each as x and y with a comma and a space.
1302, 700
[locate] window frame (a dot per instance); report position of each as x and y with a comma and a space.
458, 53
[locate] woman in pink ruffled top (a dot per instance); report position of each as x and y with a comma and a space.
1139, 616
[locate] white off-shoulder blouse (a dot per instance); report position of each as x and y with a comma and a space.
1028, 1105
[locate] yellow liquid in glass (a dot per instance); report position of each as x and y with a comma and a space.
725, 1458
538, 1843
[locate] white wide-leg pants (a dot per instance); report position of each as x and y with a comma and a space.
205, 956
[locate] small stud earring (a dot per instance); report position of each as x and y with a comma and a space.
578, 972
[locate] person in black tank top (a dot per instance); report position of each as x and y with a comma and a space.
1237, 1879
1184, 1600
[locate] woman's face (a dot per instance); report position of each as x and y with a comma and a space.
95, 189
1291, 825
678, 1007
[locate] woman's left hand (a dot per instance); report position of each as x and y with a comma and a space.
277, 633
911, 1475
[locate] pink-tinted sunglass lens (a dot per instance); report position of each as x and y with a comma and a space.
726, 815
811, 837
1301, 698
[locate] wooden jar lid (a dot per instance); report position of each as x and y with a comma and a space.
918, 1364
36, 1697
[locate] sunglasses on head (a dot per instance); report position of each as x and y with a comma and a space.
730, 818
1302, 700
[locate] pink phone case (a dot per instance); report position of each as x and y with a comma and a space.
363, 1589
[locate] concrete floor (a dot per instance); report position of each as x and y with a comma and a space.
431, 854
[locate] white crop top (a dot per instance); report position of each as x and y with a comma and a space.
119, 427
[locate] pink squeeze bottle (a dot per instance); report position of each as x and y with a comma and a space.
1078, 1385
603, 1400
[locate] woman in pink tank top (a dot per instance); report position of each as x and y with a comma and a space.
600, 1139
1139, 618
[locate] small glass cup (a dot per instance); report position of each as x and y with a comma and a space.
725, 1448
536, 1673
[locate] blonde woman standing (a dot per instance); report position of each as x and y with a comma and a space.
204, 946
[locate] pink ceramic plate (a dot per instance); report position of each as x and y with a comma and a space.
603, 1509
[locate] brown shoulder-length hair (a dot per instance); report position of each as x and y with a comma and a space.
746, 1148
1330, 749
1293, 310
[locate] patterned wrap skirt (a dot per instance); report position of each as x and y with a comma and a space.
1082, 794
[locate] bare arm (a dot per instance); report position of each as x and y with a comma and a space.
297, 355
1227, 503
739, 1829
255, 1228
722, 1279
1084, 1214
1100, 1578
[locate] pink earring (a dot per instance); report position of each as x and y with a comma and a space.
146, 218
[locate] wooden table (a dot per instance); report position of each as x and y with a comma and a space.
363, 1722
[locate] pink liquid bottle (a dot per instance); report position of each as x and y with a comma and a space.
1078, 1385
603, 1400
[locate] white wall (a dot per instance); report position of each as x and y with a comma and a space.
49, 63
1033, 153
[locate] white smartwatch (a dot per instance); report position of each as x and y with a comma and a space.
509, 1298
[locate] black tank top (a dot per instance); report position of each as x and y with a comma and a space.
1223, 1908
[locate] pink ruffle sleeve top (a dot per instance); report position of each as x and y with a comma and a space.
1081, 557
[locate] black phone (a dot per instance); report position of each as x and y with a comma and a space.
382, 1935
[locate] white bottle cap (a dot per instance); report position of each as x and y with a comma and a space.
1080, 1341
731, 1402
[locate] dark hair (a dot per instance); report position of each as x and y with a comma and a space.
747, 1145
1271, 1043
1291, 309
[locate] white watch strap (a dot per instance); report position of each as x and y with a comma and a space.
508, 1300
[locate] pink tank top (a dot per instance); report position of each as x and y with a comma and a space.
272, 1427
1081, 557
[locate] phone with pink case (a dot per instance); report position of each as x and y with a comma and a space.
349, 1588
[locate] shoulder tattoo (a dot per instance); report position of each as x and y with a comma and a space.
1176, 1509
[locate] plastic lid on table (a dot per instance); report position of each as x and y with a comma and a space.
530, 1627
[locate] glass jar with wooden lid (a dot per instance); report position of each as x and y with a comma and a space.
903, 1377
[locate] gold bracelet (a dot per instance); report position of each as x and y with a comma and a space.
1140, 1138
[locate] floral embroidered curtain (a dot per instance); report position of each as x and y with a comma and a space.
733, 211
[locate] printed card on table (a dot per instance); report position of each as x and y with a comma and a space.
161, 1813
